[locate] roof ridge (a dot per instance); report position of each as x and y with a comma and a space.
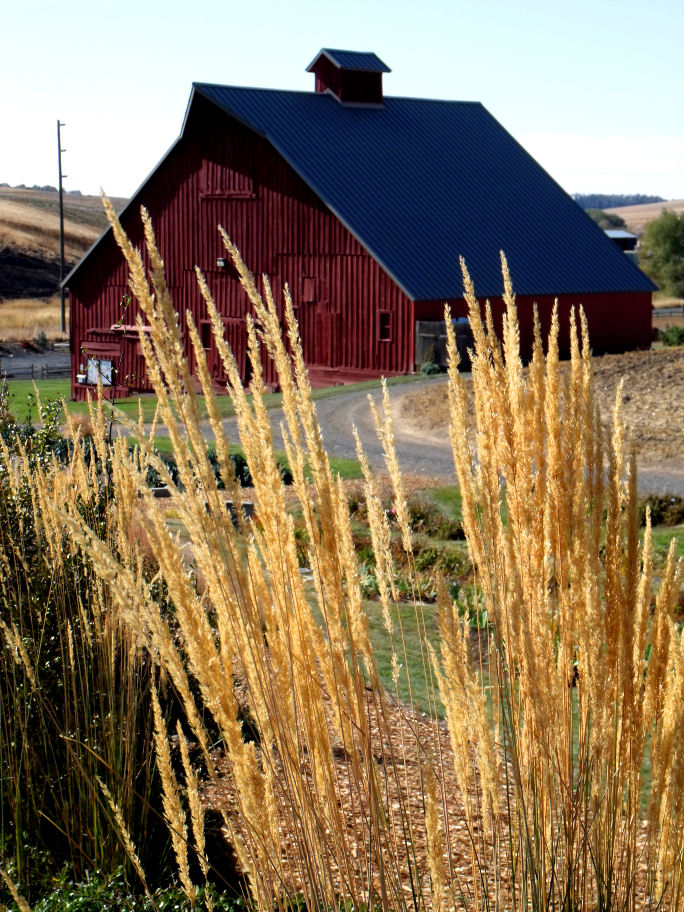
311, 94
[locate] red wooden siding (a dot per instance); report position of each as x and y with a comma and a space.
617, 322
222, 173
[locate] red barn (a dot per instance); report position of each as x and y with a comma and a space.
363, 204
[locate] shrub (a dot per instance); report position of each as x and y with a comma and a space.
41, 340
665, 510
672, 335
661, 252
74, 693
104, 893
430, 368
427, 518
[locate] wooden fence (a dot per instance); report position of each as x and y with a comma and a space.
9, 371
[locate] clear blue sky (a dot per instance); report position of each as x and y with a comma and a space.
594, 89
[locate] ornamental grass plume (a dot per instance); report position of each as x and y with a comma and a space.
581, 658
530, 792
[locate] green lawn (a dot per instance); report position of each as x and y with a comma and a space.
22, 390
346, 468
414, 660
22, 394
662, 536
447, 499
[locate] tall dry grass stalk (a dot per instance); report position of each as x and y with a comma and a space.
586, 666
532, 797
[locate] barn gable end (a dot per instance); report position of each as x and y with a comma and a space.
225, 174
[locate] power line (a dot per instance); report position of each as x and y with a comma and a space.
61, 224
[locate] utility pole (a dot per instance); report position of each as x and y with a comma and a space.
61, 223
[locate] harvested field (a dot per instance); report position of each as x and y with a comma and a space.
26, 318
29, 238
637, 217
652, 400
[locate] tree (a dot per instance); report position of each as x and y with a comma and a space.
606, 220
608, 200
661, 254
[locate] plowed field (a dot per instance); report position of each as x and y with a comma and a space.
652, 401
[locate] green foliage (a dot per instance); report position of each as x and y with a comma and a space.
39, 442
471, 604
672, 335
429, 369
451, 561
613, 200
154, 479
665, 509
41, 339
606, 220
428, 519
103, 893
661, 254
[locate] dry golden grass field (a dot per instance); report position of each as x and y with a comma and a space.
29, 221
35, 231
24, 319
29, 240
637, 217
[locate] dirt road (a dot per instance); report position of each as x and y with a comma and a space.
422, 442
652, 397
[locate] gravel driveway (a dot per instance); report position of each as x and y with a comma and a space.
421, 451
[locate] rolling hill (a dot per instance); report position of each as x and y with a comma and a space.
29, 238
637, 217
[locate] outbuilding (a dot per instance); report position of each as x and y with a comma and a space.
625, 240
363, 204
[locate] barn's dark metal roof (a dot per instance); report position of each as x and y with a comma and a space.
420, 183
352, 60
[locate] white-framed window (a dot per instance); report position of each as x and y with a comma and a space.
99, 370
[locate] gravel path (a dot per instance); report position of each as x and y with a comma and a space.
425, 451
337, 416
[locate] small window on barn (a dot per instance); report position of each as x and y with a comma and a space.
99, 370
308, 290
384, 326
205, 333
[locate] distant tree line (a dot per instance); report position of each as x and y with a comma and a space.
47, 187
610, 200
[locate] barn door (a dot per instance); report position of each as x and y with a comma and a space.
328, 342
235, 331
307, 278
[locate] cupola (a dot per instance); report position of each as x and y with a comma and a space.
353, 77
